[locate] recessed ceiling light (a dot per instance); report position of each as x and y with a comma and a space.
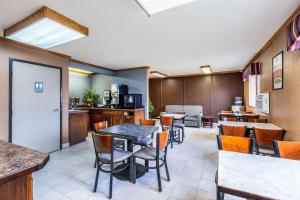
206, 69
158, 74
80, 71
45, 29
154, 6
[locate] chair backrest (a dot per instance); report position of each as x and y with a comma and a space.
234, 130
257, 120
289, 150
147, 122
166, 121
264, 137
180, 113
99, 126
235, 144
162, 139
103, 143
229, 118
226, 111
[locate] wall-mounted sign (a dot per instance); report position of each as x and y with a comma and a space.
38, 87
277, 71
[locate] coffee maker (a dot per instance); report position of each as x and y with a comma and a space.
106, 97
117, 92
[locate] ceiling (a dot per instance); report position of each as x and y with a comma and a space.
223, 34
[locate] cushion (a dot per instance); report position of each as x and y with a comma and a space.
148, 153
179, 125
144, 141
119, 156
189, 118
118, 142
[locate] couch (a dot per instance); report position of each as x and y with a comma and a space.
194, 113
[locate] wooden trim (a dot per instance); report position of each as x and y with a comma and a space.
20, 44
91, 65
132, 68
282, 28
51, 14
198, 74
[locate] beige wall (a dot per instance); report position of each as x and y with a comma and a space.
11, 51
285, 103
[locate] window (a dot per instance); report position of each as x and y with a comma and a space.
254, 89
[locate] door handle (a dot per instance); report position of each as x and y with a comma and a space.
56, 110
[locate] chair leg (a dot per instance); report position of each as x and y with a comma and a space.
95, 163
147, 165
167, 170
172, 139
220, 195
131, 169
134, 171
183, 135
158, 176
96, 180
111, 181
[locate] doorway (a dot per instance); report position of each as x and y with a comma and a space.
35, 105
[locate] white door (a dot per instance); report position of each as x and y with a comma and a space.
36, 106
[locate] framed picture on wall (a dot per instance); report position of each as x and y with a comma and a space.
277, 71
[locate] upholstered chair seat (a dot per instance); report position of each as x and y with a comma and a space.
149, 153
144, 141
119, 156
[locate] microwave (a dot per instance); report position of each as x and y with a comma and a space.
132, 101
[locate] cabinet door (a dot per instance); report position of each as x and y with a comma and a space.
129, 120
94, 118
117, 119
107, 118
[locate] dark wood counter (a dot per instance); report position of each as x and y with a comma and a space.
115, 116
16, 166
78, 126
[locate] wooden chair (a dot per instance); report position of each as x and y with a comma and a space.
257, 120
167, 123
250, 117
263, 140
145, 141
228, 118
288, 150
117, 142
239, 131
157, 154
107, 154
235, 144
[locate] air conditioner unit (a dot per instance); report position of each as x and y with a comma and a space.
263, 102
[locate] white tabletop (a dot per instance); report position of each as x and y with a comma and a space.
259, 175
251, 125
175, 116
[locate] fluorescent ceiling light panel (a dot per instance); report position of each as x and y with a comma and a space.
158, 74
46, 30
206, 69
81, 71
154, 6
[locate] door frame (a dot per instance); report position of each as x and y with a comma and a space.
11, 60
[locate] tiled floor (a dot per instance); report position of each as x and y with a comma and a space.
70, 175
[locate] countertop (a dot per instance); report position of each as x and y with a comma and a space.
17, 161
76, 111
106, 108
263, 176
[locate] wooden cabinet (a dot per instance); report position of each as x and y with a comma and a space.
115, 116
78, 126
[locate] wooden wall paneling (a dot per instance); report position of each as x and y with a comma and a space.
155, 95
197, 91
224, 89
172, 91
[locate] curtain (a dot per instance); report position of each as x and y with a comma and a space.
293, 34
252, 69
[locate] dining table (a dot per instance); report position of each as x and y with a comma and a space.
257, 177
175, 116
250, 125
130, 133
238, 116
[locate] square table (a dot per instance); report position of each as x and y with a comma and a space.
250, 125
130, 132
258, 177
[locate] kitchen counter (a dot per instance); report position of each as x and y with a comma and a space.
78, 126
108, 108
16, 166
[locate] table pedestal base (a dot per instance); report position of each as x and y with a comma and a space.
124, 175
